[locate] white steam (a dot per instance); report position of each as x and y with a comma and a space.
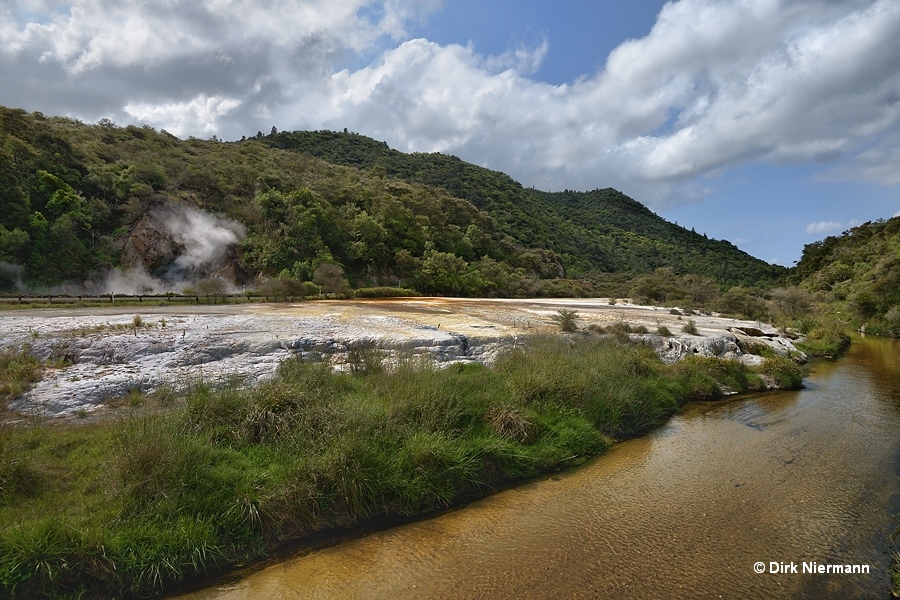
202, 241
205, 239
135, 281
11, 277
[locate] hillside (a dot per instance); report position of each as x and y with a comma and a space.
860, 271
602, 230
101, 205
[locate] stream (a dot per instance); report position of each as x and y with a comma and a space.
785, 479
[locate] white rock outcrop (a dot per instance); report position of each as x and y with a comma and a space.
104, 357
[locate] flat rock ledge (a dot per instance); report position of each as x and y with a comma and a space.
106, 356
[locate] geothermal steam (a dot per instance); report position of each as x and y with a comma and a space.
202, 240
205, 239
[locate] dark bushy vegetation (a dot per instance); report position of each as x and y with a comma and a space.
337, 210
221, 475
384, 292
584, 232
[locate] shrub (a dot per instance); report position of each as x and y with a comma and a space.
566, 319
211, 287
690, 328
663, 331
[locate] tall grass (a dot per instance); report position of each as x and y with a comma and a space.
825, 337
19, 369
136, 506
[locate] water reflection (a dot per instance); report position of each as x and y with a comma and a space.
684, 512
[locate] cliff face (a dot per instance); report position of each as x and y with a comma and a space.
149, 247
111, 353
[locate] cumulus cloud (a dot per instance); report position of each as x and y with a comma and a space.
198, 115
823, 227
714, 84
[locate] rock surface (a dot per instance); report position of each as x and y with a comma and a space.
106, 356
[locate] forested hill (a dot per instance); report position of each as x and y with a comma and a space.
859, 270
603, 230
80, 200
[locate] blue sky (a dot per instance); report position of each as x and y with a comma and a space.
581, 33
770, 123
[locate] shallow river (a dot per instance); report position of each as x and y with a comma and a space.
686, 512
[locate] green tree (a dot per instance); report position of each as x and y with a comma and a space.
13, 245
566, 319
15, 205
442, 273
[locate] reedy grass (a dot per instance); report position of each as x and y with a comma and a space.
19, 369
138, 505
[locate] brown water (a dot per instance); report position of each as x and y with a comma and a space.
682, 513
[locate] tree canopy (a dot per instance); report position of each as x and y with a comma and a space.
74, 195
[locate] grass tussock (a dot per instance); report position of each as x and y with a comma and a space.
189, 485
785, 373
824, 337
690, 328
19, 370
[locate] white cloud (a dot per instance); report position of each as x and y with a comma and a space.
714, 84
90, 34
184, 118
823, 227
876, 163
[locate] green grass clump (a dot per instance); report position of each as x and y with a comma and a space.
690, 327
186, 486
19, 369
703, 378
785, 372
825, 340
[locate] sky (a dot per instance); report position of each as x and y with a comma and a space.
768, 123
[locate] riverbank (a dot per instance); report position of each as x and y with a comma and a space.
190, 484
696, 502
